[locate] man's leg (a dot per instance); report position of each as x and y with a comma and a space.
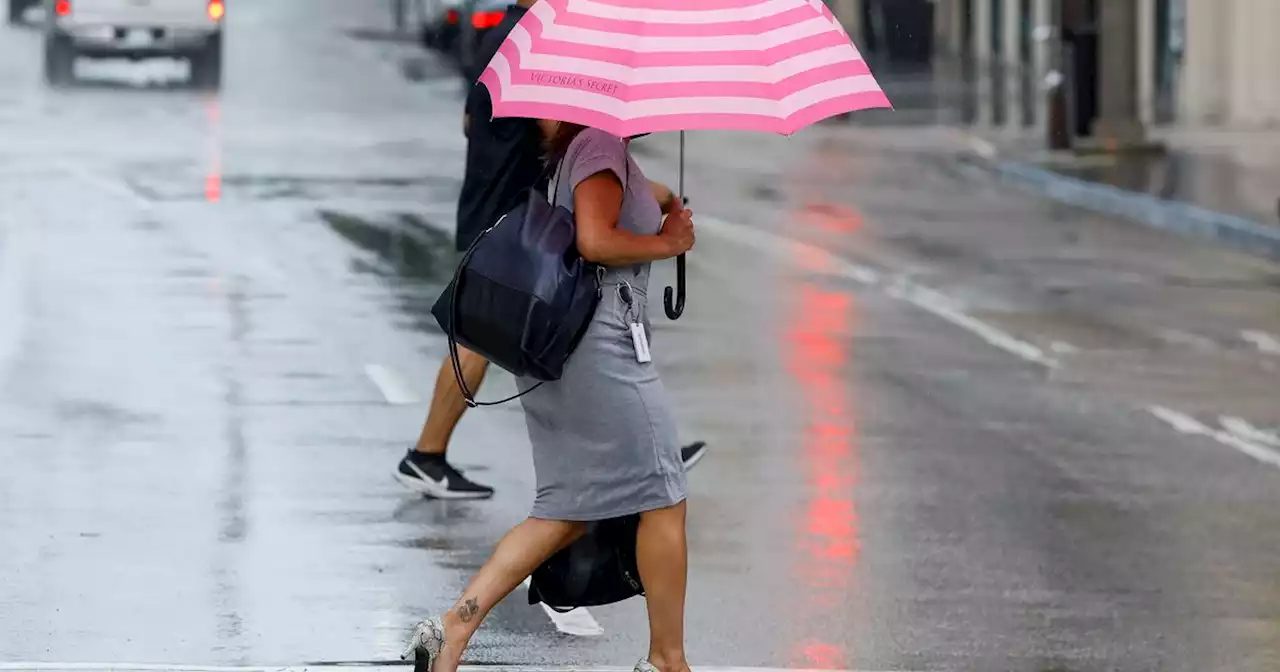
447, 402
424, 469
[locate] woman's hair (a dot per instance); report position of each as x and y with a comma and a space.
557, 146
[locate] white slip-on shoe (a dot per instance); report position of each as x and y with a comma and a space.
425, 645
645, 666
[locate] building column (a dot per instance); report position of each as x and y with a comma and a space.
1118, 125
1242, 95
1268, 55
849, 13
1146, 61
944, 40
1010, 100
982, 61
1204, 89
1046, 39
1255, 100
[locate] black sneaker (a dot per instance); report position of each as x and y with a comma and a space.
434, 477
693, 454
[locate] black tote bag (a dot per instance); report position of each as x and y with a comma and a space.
522, 296
600, 568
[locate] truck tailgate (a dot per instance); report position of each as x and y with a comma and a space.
149, 13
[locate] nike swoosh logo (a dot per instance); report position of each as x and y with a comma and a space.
442, 482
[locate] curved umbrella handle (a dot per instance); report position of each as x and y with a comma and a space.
674, 310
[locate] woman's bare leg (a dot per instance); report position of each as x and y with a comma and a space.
662, 554
520, 552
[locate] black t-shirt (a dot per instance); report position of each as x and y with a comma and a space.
504, 155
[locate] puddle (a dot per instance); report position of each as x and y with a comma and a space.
1214, 182
411, 246
187, 183
413, 255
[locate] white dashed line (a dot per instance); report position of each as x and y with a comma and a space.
1180, 337
393, 388
1063, 348
940, 305
1264, 342
983, 148
920, 296
1188, 425
1241, 428
578, 622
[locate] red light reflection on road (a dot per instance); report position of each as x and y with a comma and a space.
213, 174
829, 216
816, 355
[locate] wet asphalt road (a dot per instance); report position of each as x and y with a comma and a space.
954, 427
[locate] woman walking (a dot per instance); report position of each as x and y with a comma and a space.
603, 436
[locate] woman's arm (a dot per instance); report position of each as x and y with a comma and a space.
666, 198
597, 202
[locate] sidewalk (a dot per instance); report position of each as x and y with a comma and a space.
1222, 185
1218, 184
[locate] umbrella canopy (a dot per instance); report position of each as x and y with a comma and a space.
641, 66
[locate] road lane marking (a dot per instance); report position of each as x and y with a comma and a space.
394, 389
946, 308
1186, 424
899, 287
983, 148
1264, 342
1180, 337
1243, 429
578, 622
1063, 348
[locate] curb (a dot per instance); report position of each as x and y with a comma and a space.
1234, 231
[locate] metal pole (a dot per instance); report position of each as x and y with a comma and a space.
681, 167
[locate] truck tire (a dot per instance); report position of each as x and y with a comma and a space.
206, 65
59, 60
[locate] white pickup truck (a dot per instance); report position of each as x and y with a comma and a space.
134, 29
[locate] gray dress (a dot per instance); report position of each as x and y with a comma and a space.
604, 439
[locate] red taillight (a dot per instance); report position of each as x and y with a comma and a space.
452, 17
217, 10
483, 20
62, 7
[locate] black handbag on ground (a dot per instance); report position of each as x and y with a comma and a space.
600, 568
522, 296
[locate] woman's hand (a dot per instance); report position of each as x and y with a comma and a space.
677, 230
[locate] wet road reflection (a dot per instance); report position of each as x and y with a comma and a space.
213, 174
196, 458
827, 544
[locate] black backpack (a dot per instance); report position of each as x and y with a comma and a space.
600, 568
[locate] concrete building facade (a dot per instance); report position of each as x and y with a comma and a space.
1190, 62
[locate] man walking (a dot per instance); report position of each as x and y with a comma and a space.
504, 158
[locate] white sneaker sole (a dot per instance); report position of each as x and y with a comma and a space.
693, 461
434, 491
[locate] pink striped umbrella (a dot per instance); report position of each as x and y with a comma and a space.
642, 66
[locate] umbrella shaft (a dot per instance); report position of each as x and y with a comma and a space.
681, 182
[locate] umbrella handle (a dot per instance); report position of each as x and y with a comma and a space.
674, 310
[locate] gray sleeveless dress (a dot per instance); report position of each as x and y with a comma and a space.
604, 439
